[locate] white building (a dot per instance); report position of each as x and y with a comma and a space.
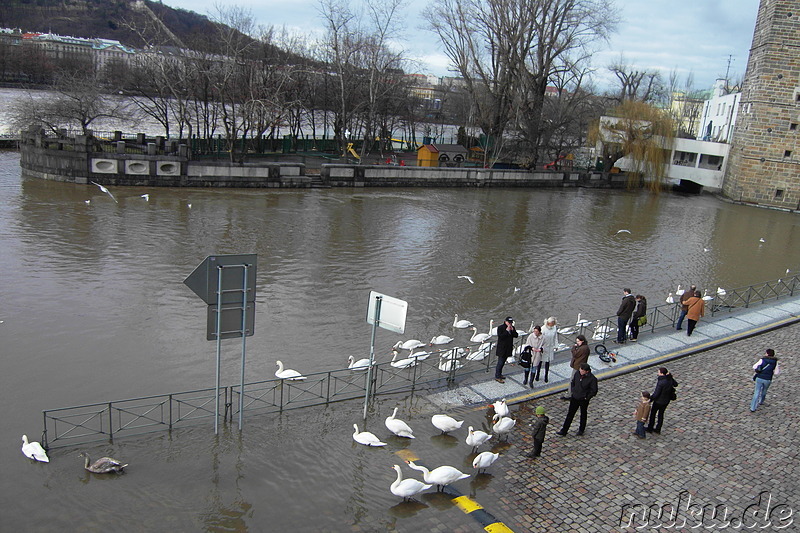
719, 114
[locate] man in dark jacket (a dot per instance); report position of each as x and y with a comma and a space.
624, 313
664, 393
584, 388
506, 333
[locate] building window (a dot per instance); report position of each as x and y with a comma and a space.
778, 194
793, 126
787, 153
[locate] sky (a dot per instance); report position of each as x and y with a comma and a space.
696, 37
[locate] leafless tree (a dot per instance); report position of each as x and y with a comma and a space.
642, 85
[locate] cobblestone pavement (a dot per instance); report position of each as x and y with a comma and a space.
712, 452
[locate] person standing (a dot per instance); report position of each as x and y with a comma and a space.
506, 333
535, 341
765, 369
696, 308
538, 429
549, 344
641, 413
684, 308
624, 313
584, 388
580, 356
660, 398
639, 313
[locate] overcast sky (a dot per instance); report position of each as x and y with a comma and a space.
696, 36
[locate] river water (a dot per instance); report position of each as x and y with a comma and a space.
94, 309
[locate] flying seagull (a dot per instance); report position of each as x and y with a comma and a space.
468, 278
146, 197
623, 231
106, 191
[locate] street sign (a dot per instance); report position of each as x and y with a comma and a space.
204, 280
392, 312
231, 321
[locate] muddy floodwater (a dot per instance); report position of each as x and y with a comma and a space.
94, 309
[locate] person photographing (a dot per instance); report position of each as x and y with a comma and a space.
506, 333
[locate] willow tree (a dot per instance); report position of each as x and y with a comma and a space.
640, 133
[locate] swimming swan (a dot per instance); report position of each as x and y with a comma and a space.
288, 374
461, 324
104, 465
34, 450
366, 438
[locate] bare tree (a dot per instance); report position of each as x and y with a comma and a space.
642, 85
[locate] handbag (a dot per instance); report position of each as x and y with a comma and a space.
641, 321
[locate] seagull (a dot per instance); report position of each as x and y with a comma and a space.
145, 196
189, 206
761, 240
623, 231
517, 289
105, 191
706, 249
87, 202
468, 278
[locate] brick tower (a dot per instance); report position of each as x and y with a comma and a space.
764, 165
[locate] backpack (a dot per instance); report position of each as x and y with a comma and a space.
525, 357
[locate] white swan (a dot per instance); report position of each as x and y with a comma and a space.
446, 365
568, 330
406, 488
670, 299
419, 356
409, 344
446, 423
104, 465
484, 460
679, 291
454, 353
441, 339
288, 374
34, 450
408, 362
440, 476
479, 337
500, 407
366, 438
398, 427
582, 323
461, 324
476, 438
502, 424
480, 353
706, 297
361, 364
721, 291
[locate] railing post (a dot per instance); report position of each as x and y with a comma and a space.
328, 389
44, 431
747, 297
110, 423
791, 290
170, 411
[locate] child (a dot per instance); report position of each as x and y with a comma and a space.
525, 363
641, 414
538, 428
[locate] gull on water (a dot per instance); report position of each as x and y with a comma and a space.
468, 278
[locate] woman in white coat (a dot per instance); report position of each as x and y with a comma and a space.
550, 335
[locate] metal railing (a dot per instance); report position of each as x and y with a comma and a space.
122, 418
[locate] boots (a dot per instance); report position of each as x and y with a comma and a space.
538, 369
525, 380
546, 371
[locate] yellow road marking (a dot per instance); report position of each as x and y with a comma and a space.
498, 527
407, 455
466, 504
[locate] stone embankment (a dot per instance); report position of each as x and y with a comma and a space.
167, 163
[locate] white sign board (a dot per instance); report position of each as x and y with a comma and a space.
392, 315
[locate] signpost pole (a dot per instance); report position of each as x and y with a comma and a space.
219, 350
375, 324
244, 336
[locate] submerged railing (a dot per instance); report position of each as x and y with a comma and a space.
122, 418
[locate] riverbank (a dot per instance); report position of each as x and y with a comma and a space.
161, 163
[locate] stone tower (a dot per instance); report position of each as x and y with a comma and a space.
764, 164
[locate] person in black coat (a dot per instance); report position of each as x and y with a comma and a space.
584, 388
662, 395
624, 314
506, 333
639, 311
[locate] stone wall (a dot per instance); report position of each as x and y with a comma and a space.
764, 165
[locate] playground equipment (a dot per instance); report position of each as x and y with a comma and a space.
351, 151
